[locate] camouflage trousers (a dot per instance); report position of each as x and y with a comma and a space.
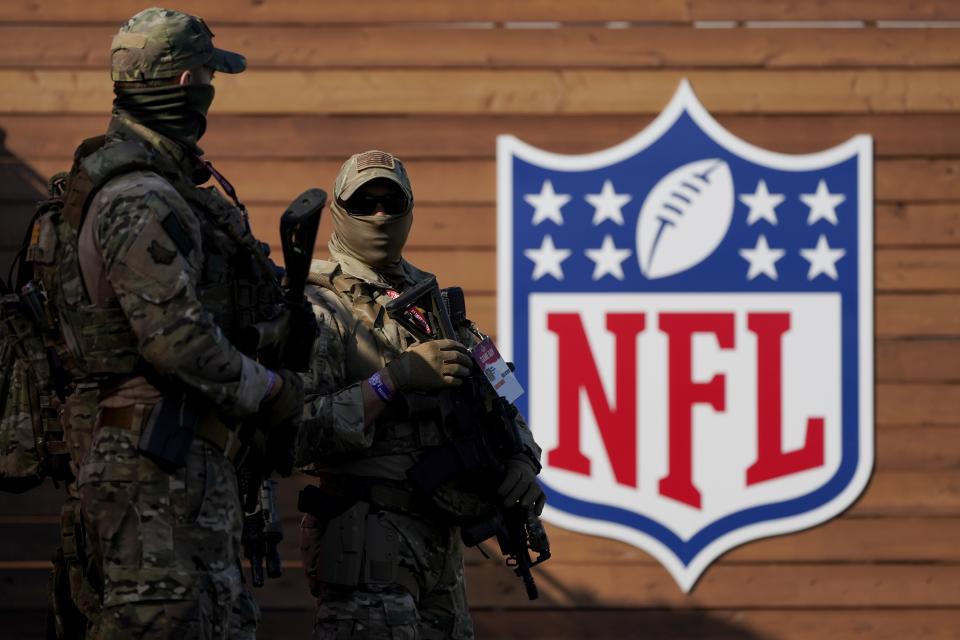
406, 574
73, 590
169, 543
74, 587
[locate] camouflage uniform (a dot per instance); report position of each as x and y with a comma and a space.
163, 274
389, 566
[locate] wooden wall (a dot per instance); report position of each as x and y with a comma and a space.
435, 82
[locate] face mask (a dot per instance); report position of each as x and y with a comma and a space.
176, 111
377, 241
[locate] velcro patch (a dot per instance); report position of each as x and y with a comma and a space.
373, 159
171, 224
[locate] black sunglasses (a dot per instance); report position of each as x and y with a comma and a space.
364, 204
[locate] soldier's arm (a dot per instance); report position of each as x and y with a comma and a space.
150, 243
471, 337
333, 418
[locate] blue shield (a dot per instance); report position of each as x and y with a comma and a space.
691, 318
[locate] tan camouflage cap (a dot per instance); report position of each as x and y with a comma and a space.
361, 168
162, 43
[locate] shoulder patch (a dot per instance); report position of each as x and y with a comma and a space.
171, 224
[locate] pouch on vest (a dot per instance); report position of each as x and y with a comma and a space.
31, 438
341, 547
21, 467
166, 437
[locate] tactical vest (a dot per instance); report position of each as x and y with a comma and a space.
413, 423
410, 424
237, 285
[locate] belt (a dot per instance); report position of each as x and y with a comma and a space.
210, 428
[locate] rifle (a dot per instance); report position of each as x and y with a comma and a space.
285, 342
484, 433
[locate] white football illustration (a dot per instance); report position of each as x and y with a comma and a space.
684, 218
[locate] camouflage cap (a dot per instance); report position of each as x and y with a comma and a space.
361, 168
162, 43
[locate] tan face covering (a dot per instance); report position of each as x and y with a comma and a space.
376, 241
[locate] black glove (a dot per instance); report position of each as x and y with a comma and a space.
287, 405
520, 484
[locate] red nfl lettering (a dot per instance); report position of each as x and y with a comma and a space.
772, 462
685, 393
578, 370
618, 424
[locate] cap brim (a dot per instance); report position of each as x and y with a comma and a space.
372, 174
227, 61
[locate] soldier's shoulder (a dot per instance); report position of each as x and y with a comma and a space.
325, 300
321, 271
139, 185
328, 304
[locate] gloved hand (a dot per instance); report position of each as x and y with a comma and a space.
520, 484
286, 405
430, 366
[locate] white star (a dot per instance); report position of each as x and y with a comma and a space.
608, 204
762, 204
762, 259
547, 259
822, 259
822, 204
547, 204
608, 259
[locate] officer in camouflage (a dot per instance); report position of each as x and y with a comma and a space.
381, 559
156, 279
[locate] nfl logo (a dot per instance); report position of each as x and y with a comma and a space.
692, 319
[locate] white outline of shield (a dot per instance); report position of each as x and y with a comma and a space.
685, 100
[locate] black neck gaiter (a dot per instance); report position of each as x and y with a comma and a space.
178, 112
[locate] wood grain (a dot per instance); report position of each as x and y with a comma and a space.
332, 137
331, 78
483, 91
823, 10
464, 182
602, 587
384, 11
345, 12
913, 226
393, 46
623, 624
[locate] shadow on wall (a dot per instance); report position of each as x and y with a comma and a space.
20, 189
567, 612
611, 624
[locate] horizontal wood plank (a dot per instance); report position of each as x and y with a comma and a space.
393, 46
549, 623
917, 404
913, 270
334, 137
918, 360
784, 10
482, 91
906, 493
377, 11
914, 226
606, 586
452, 182
844, 540
684, 624
346, 12
917, 314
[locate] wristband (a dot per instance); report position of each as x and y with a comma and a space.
271, 380
380, 387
